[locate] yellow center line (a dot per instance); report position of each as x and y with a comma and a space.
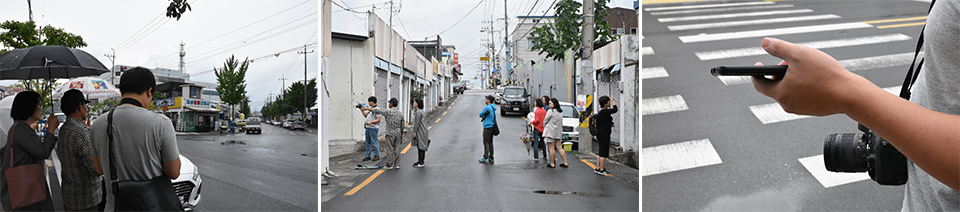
895, 20
454, 103
445, 113
438, 120
901, 25
365, 182
524, 118
428, 128
593, 166
449, 107
405, 149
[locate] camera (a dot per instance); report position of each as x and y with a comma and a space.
865, 152
359, 105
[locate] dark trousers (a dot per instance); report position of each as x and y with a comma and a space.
420, 155
488, 143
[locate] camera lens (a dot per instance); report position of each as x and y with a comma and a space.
845, 152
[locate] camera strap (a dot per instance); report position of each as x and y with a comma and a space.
911, 75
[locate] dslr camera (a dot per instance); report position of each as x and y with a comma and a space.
359, 105
865, 152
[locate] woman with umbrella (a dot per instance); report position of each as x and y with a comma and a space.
24, 147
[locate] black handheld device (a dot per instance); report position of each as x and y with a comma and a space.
748, 70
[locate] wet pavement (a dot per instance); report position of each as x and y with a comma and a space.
453, 180
272, 171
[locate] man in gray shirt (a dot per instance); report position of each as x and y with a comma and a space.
392, 130
144, 142
371, 127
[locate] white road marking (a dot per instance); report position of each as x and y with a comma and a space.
751, 51
733, 15
647, 50
702, 11
851, 65
654, 72
772, 32
814, 164
705, 6
773, 112
663, 104
751, 22
679, 156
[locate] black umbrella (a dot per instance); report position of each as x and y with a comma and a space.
48, 62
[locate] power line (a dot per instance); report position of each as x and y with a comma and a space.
255, 41
243, 41
528, 14
136, 40
544, 14
224, 34
138, 31
261, 58
461, 19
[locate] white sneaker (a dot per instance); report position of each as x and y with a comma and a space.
536, 160
396, 167
388, 167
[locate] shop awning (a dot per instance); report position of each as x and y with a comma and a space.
202, 109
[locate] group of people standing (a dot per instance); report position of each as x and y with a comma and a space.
149, 149
547, 127
391, 132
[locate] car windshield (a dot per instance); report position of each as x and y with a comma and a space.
513, 92
569, 111
253, 122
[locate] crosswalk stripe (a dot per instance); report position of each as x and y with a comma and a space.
751, 51
700, 11
773, 112
705, 6
851, 65
647, 50
751, 22
679, 156
664, 104
734, 15
772, 32
654, 72
814, 164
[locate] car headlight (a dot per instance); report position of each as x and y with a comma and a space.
196, 172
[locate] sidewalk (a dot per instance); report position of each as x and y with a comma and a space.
624, 173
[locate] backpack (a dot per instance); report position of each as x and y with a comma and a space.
593, 125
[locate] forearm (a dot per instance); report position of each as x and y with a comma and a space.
928, 138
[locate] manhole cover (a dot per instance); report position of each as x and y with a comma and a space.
232, 142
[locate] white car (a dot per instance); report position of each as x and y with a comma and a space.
571, 120
188, 185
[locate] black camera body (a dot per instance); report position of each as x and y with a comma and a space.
865, 152
359, 105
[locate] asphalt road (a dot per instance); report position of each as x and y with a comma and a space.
453, 180
272, 171
712, 144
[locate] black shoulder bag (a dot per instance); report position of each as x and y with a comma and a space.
496, 129
140, 195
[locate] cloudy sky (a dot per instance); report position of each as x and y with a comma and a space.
212, 31
422, 18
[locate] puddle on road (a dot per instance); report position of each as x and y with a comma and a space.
560, 192
232, 142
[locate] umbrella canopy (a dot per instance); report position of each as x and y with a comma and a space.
6, 104
48, 62
92, 88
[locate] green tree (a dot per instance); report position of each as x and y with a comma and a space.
553, 39
16, 35
293, 99
177, 8
231, 81
245, 106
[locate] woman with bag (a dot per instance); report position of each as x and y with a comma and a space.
552, 133
421, 138
22, 183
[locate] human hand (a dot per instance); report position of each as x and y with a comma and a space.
52, 123
814, 84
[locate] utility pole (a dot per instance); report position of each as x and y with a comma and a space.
305, 108
112, 57
283, 86
506, 43
182, 54
586, 55
30, 9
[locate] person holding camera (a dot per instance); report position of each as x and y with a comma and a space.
392, 130
926, 130
371, 127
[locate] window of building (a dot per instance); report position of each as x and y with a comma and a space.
633, 30
531, 42
619, 31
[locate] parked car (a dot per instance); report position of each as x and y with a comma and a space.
298, 125
459, 87
515, 100
188, 185
287, 124
253, 126
571, 120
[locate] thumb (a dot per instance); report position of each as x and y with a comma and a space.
779, 48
